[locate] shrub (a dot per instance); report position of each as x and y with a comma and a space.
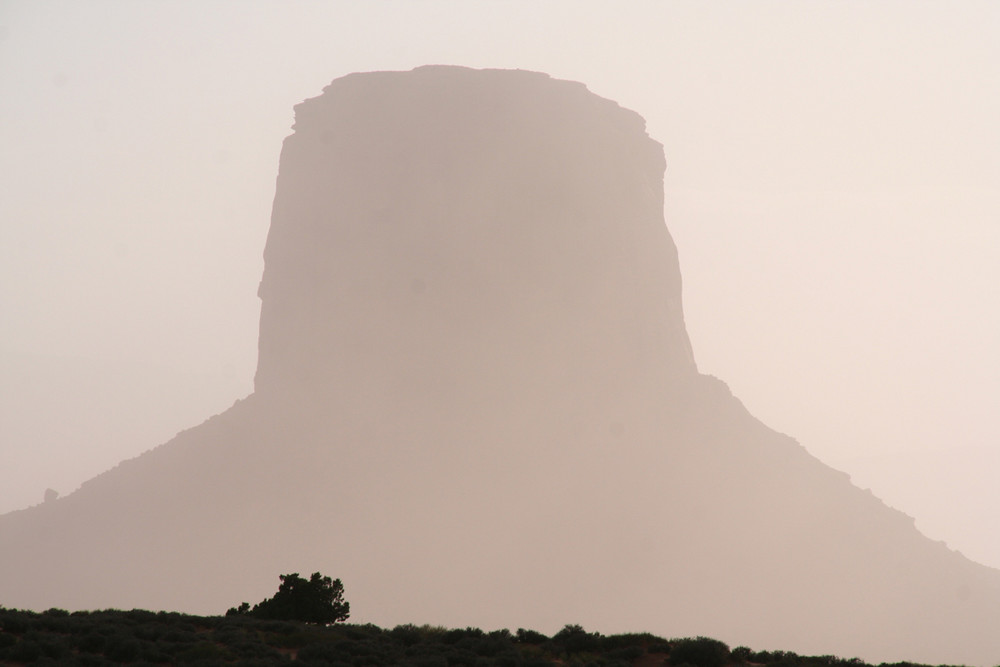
530, 637
13, 624
626, 653
658, 646
367, 631
407, 635
325, 654
252, 650
53, 646
574, 639
153, 653
179, 636
150, 631
206, 651
92, 642
123, 650
741, 654
24, 651
316, 600
700, 652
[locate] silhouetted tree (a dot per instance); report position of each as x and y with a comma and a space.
316, 600
242, 610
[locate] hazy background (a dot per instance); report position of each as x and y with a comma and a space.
833, 185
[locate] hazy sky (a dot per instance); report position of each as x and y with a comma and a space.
833, 185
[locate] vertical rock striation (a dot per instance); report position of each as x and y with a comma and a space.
476, 404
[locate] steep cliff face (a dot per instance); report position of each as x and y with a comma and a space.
476, 403
482, 230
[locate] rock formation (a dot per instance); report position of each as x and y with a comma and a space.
476, 403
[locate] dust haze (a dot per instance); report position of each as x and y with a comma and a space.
830, 188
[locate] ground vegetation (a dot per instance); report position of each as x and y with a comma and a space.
137, 637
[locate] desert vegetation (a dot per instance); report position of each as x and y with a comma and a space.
137, 637
304, 622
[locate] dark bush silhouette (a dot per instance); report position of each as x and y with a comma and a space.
700, 652
530, 637
109, 637
316, 600
574, 639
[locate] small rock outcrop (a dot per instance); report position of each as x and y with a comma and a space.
476, 404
